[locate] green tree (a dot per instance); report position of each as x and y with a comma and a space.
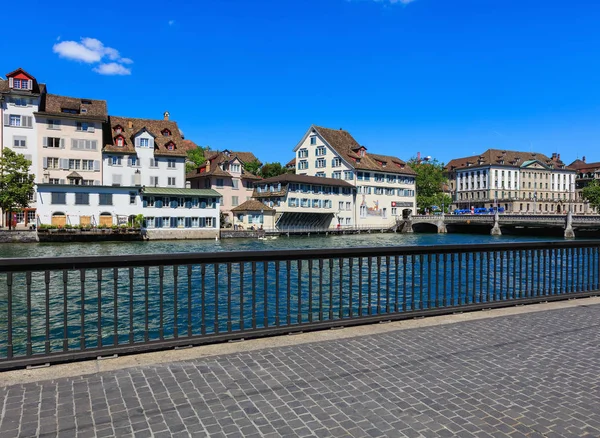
195, 158
429, 182
252, 167
16, 183
591, 193
269, 170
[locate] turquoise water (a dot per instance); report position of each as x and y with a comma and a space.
279, 243
72, 310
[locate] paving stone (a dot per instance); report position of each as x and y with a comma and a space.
532, 375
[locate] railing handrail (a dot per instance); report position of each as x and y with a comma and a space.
91, 262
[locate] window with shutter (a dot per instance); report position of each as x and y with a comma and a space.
116, 180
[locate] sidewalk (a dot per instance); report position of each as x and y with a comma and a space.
522, 372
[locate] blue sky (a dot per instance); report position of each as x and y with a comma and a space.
447, 78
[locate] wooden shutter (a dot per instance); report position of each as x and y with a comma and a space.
62, 143
30, 84
91, 128
61, 181
96, 165
45, 162
64, 164
10, 82
6, 119
151, 143
137, 142
45, 142
79, 126
94, 145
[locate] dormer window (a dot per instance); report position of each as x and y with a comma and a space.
171, 146
118, 129
166, 133
120, 141
361, 153
69, 111
21, 84
144, 143
86, 101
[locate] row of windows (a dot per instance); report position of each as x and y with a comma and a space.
16, 120
380, 177
70, 164
390, 191
180, 222
509, 195
311, 203
134, 161
178, 202
327, 190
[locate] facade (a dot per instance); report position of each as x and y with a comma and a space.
253, 215
586, 173
224, 172
164, 209
20, 98
303, 200
385, 185
69, 138
520, 182
143, 152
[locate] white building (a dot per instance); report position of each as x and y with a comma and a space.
385, 185
144, 152
169, 213
20, 98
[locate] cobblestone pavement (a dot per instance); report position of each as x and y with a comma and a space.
530, 375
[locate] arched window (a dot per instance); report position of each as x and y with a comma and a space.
120, 141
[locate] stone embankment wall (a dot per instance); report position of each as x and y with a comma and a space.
21, 236
185, 234
231, 234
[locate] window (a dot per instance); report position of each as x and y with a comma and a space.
166, 222
120, 141
87, 164
235, 168
363, 211
336, 162
348, 175
86, 127
313, 140
320, 163
171, 147
303, 153
321, 174
74, 164
134, 161
321, 151
54, 181
166, 133
115, 161
171, 181
154, 181
235, 183
348, 206
132, 198
58, 198
153, 162
84, 145
220, 183
22, 84
234, 201
14, 120
105, 199
302, 165
19, 142
116, 180
209, 222
337, 175
144, 142
53, 124
171, 164
53, 163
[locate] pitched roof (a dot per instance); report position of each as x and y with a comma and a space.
306, 179
80, 108
219, 157
291, 163
506, 158
131, 126
189, 145
583, 167
252, 205
349, 149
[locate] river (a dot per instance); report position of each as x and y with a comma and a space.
280, 243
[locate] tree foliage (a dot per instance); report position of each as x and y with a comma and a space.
269, 170
591, 193
16, 183
195, 158
252, 167
429, 183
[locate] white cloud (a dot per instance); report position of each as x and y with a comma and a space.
91, 51
112, 69
171, 22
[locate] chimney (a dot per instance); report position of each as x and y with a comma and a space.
583, 159
166, 115
130, 124
553, 156
207, 165
557, 157
418, 157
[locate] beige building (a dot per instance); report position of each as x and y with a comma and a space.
586, 173
308, 201
70, 134
224, 172
253, 215
519, 182
385, 185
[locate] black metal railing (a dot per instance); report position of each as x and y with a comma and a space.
61, 309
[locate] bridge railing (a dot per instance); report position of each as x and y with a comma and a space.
63, 309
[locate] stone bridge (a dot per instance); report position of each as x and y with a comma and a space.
568, 222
